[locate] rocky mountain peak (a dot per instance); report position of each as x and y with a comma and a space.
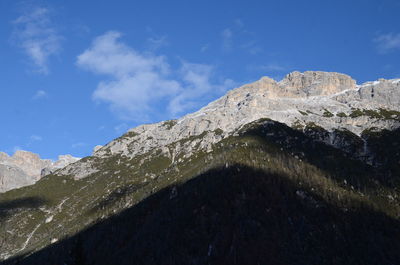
28, 162
300, 85
316, 83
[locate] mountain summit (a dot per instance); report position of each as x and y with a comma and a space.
310, 83
301, 171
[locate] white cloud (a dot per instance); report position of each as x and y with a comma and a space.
35, 34
138, 79
143, 84
40, 94
109, 56
388, 42
197, 83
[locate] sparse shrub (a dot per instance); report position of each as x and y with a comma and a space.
327, 113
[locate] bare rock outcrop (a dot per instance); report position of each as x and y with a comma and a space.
63, 161
12, 178
313, 83
25, 168
29, 163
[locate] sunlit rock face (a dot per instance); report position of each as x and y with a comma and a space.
310, 83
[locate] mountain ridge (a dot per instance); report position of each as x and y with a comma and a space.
355, 109
338, 152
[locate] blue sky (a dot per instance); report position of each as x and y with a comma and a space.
75, 74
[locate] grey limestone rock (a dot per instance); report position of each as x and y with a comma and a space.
13, 177
25, 168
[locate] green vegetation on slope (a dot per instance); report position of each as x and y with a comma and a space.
382, 114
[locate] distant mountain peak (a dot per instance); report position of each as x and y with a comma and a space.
25, 168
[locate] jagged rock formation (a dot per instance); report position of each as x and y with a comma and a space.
301, 171
63, 161
25, 168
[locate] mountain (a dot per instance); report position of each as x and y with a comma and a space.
25, 168
301, 171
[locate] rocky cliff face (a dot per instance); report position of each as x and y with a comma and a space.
25, 168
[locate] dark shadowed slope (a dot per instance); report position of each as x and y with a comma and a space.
234, 215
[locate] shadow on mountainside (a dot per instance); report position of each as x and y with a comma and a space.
384, 146
234, 215
7, 207
116, 196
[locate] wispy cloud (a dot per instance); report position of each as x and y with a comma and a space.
32, 140
227, 40
39, 95
35, 138
121, 128
233, 36
388, 42
239, 23
36, 35
144, 84
273, 67
205, 47
196, 82
251, 47
156, 42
